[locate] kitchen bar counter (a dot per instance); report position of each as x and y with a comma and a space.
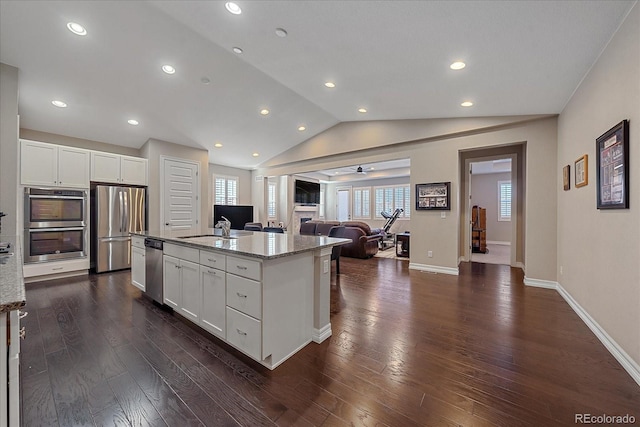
266, 294
248, 243
12, 291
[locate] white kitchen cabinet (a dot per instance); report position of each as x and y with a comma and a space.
53, 165
213, 301
138, 268
114, 168
182, 289
171, 281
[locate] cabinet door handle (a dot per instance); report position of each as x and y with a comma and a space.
241, 332
212, 272
241, 267
57, 268
240, 295
211, 260
22, 314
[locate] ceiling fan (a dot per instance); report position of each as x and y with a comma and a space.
360, 170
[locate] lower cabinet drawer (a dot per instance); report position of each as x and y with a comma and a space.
245, 333
244, 295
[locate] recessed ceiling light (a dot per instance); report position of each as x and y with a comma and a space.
264, 111
362, 110
59, 104
330, 85
168, 69
237, 50
458, 65
233, 8
281, 32
133, 122
205, 80
467, 104
371, 168
76, 28
255, 154
336, 172
217, 145
302, 128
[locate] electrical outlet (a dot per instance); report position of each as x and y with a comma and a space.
430, 254
443, 214
325, 266
560, 269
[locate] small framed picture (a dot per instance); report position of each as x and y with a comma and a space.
566, 177
433, 196
582, 171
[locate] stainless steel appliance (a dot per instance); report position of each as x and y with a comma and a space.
118, 211
153, 269
52, 208
55, 224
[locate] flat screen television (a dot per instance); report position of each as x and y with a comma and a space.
239, 215
307, 192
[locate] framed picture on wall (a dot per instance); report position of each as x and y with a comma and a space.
581, 166
433, 196
612, 167
566, 177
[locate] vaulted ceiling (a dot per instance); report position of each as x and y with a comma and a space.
391, 58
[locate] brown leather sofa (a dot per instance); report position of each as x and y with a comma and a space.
364, 240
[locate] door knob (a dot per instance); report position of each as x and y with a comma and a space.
166, 223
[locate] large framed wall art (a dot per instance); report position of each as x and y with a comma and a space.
433, 196
612, 167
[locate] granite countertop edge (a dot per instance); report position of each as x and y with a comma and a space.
13, 295
329, 242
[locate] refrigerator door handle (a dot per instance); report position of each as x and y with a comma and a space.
125, 211
121, 202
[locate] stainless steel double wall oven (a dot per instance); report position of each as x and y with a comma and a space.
55, 224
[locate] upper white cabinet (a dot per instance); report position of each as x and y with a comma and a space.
53, 165
108, 167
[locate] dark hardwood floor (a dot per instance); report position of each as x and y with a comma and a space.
408, 349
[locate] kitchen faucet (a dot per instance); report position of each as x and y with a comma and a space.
225, 226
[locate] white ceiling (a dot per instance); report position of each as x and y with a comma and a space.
391, 57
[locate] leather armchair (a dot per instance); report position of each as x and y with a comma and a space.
364, 241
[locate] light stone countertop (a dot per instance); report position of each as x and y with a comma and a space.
12, 292
248, 243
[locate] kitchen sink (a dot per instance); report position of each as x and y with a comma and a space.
215, 236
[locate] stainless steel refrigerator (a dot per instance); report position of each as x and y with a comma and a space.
117, 211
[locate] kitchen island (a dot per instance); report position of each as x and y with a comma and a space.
266, 294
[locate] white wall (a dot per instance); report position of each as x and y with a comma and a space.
152, 150
244, 185
484, 193
69, 141
599, 250
9, 149
436, 158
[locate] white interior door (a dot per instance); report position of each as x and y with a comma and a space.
180, 207
343, 205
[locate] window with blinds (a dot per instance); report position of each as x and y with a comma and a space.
225, 190
504, 200
389, 198
361, 203
271, 201
321, 207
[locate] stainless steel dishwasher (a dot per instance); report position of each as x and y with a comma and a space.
153, 269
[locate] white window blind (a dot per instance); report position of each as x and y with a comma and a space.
271, 201
362, 203
390, 198
504, 200
225, 190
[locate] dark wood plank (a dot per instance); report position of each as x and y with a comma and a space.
408, 348
38, 406
135, 404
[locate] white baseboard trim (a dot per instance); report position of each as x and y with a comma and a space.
498, 242
621, 356
433, 268
538, 283
321, 334
616, 351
